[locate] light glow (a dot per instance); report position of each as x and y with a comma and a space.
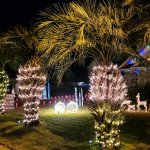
107, 91
72, 107
31, 84
59, 107
4, 82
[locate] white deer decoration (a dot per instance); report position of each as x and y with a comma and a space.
131, 107
141, 103
126, 102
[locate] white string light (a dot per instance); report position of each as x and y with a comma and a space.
31, 85
107, 91
59, 107
72, 107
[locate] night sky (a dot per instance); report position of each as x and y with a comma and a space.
26, 12
22, 12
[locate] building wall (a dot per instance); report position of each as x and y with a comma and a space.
136, 76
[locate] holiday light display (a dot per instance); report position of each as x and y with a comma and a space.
9, 101
72, 107
59, 107
107, 92
4, 82
31, 84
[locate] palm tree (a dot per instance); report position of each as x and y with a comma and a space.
17, 46
92, 29
108, 89
31, 83
4, 82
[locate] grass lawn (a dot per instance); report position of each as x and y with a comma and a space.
68, 131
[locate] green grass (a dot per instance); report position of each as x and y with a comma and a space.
68, 131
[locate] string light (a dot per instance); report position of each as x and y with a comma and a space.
31, 85
4, 82
59, 107
72, 107
107, 92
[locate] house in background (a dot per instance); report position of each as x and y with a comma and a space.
136, 76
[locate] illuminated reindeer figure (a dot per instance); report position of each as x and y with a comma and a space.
141, 103
128, 104
131, 107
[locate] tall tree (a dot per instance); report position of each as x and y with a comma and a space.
4, 82
107, 92
97, 30
31, 84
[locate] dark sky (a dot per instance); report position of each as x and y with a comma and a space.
24, 12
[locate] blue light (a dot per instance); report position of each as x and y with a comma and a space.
130, 62
142, 52
44, 96
136, 70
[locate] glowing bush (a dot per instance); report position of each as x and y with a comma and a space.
4, 82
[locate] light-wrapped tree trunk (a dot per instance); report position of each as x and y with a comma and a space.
107, 91
4, 82
31, 84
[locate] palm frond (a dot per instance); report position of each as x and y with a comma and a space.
96, 29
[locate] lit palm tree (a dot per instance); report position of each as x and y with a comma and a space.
4, 82
92, 29
18, 46
31, 83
